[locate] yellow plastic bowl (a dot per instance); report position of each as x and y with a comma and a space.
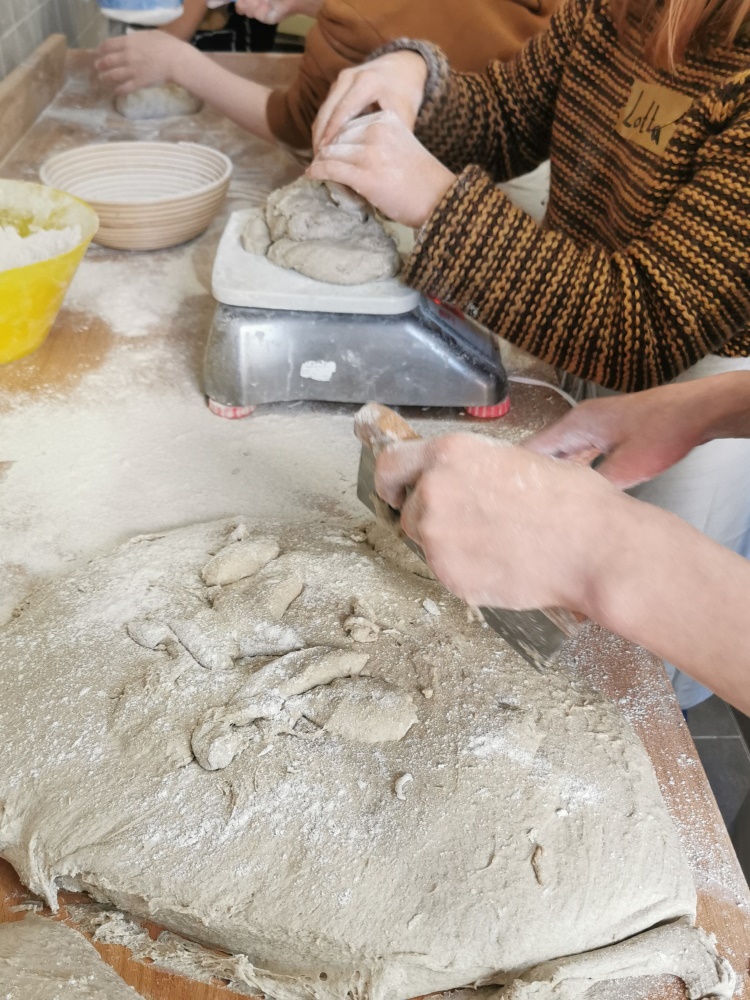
31, 296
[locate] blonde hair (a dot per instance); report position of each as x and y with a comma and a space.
671, 26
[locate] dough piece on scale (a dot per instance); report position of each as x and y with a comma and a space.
42, 959
355, 260
164, 100
255, 236
325, 232
213, 749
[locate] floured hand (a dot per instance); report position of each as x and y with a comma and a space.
380, 158
642, 434
142, 59
394, 82
498, 525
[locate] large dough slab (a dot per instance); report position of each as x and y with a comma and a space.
324, 766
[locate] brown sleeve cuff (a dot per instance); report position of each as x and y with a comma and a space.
438, 74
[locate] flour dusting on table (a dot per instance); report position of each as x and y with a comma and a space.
134, 295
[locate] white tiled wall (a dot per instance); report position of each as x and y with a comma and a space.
26, 23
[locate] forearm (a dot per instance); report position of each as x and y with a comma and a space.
667, 587
726, 402
242, 101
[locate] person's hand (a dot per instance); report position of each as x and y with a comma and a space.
140, 59
500, 526
394, 82
380, 159
640, 434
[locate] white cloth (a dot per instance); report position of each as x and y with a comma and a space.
710, 489
530, 192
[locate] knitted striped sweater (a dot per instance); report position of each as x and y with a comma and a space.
642, 266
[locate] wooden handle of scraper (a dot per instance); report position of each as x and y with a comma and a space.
377, 426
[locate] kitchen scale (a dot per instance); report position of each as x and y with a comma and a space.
280, 336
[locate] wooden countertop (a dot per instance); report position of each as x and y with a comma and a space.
86, 349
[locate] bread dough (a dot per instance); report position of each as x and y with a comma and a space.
42, 959
305, 684
329, 234
235, 562
255, 236
383, 541
213, 759
657, 952
165, 100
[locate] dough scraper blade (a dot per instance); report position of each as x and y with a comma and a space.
536, 634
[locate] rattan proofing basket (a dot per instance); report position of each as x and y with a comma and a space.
148, 195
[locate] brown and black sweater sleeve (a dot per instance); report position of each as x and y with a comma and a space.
501, 119
628, 319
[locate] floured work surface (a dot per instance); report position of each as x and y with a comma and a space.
120, 369
225, 723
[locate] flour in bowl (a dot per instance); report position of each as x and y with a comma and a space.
18, 251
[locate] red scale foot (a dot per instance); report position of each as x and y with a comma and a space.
229, 412
489, 412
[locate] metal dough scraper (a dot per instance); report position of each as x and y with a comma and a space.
538, 634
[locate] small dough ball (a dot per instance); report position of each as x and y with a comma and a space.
239, 560
165, 100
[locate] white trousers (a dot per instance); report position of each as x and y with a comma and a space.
710, 489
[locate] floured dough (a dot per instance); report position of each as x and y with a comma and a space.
255, 236
164, 100
677, 949
41, 959
268, 741
386, 543
235, 562
327, 233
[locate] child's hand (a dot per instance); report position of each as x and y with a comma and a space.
380, 158
642, 434
139, 60
394, 82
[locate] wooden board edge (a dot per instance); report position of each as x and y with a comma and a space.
29, 88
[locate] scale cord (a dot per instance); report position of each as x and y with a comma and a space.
525, 380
